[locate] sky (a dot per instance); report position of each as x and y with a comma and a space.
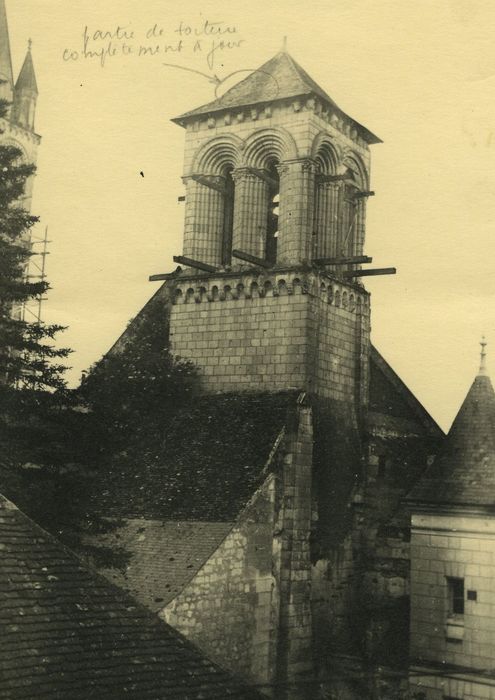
420, 75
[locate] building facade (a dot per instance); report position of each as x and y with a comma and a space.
275, 538
453, 558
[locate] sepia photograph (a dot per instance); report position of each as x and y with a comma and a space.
247, 330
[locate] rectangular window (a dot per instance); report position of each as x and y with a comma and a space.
456, 595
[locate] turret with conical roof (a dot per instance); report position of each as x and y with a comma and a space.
452, 620
464, 470
25, 94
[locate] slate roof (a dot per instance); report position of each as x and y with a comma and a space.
277, 79
165, 556
464, 471
210, 464
67, 634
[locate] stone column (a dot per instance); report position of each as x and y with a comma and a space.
203, 226
250, 212
297, 192
326, 219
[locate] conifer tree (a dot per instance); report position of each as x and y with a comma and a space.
30, 367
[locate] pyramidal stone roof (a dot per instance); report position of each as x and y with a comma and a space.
279, 78
68, 633
464, 471
27, 77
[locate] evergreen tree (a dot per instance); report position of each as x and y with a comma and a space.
31, 375
134, 392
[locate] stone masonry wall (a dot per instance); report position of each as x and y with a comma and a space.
253, 331
248, 607
227, 609
243, 334
339, 323
453, 546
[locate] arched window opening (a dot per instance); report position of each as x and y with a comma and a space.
326, 203
272, 228
228, 217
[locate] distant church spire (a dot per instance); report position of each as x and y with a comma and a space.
25, 93
27, 77
483, 371
6, 72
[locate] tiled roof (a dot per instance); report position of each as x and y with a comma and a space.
164, 556
464, 471
277, 79
67, 633
210, 463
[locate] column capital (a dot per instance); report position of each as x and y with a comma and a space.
213, 182
254, 174
305, 164
244, 173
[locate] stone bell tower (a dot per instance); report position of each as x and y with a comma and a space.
277, 178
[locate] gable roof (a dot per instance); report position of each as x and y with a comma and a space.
163, 555
68, 633
464, 471
389, 395
277, 79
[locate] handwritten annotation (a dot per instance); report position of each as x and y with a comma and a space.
207, 39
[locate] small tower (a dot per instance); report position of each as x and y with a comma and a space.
25, 94
453, 557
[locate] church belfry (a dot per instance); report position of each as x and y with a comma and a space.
287, 146
268, 298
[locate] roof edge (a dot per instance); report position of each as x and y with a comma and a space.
154, 619
414, 404
183, 119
